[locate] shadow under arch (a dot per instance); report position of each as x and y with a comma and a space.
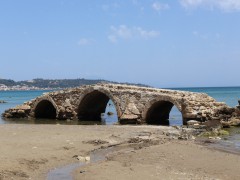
45, 108
93, 104
157, 112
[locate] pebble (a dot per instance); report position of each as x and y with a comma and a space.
82, 158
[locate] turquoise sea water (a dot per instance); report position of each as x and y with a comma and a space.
14, 98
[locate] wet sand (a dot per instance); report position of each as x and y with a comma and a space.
141, 152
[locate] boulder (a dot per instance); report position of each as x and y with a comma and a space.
234, 122
110, 113
192, 122
213, 124
225, 124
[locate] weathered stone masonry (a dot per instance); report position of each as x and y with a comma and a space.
133, 104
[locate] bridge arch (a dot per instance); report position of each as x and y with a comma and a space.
45, 108
93, 103
157, 111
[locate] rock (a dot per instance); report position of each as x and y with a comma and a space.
190, 115
129, 116
7, 115
234, 122
214, 133
24, 107
192, 122
195, 124
225, 124
2, 101
110, 113
213, 124
87, 158
68, 120
223, 133
21, 111
131, 112
82, 158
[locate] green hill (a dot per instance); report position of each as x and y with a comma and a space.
57, 83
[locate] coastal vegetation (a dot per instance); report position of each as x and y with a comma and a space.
39, 83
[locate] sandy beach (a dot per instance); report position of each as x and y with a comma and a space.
139, 152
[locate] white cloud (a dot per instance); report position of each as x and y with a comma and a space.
147, 34
191, 3
124, 32
159, 6
225, 5
85, 41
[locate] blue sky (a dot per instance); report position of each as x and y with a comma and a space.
181, 43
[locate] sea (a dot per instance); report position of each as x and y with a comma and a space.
229, 95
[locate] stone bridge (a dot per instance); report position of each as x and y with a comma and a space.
137, 105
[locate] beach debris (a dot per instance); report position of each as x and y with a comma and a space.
96, 142
87, 158
82, 158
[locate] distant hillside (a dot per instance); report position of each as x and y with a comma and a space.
57, 83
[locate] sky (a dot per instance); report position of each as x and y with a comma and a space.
161, 43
